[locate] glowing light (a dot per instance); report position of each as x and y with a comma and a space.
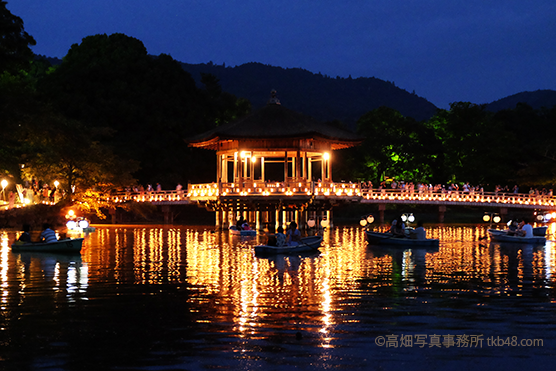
496, 219
326, 156
71, 224
83, 224
363, 222
486, 218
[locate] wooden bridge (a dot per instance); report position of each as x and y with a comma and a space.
336, 193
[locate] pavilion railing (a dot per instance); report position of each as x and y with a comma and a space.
289, 188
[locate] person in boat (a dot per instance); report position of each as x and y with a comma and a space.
239, 223
512, 228
280, 237
293, 236
526, 230
48, 235
398, 228
419, 233
25, 236
245, 226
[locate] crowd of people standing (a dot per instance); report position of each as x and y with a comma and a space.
454, 188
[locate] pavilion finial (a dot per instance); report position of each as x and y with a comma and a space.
273, 99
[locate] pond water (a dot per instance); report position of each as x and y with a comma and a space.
189, 298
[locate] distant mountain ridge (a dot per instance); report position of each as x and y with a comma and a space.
322, 97
327, 99
536, 99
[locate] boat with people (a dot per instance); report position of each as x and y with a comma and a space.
498, 235
307, 244
68, 245
242, 232
389, 239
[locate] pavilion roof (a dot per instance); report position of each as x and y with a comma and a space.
275, 122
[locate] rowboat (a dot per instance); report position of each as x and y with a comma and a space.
237, 232
497, 235
539, 231
380, 238
69, 245
307, 244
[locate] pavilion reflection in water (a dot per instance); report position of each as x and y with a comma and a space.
228, 283
225, 267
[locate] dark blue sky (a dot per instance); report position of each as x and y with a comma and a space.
444, 50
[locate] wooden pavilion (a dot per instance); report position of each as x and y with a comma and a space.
273, 162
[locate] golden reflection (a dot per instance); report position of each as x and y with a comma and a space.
228, 283
550, 261
4, 266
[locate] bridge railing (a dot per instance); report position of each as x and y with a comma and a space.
152, 196
459, 196
332, 189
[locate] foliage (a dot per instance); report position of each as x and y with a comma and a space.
150, 103
395, 146
463, 144
15, 53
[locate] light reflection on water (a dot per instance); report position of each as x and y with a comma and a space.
189, 296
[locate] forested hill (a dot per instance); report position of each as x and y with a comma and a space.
536, 99
322, 97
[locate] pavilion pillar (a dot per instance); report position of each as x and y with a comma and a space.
244, 174
224, 169
286, 166
219, 168
235, 169
298, 166
262, 169
252, 163
328, 170
309, 170
323, 169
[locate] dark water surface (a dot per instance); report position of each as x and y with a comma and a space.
186, 298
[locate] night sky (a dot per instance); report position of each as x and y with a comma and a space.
444, 50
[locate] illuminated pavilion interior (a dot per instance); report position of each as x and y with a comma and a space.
272, 153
